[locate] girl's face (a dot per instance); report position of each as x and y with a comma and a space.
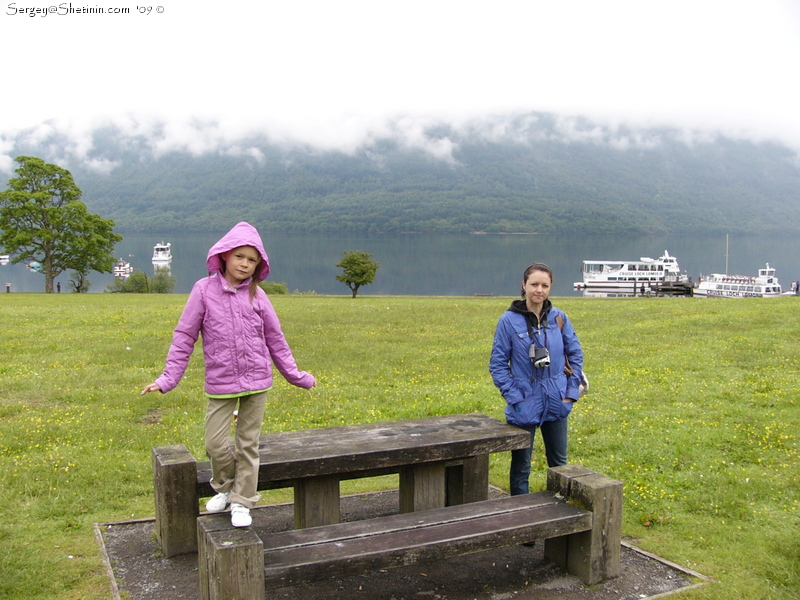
537, 288
240, 264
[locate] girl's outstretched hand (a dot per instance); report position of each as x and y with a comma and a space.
153, 387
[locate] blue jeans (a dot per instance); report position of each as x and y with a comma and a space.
554, 435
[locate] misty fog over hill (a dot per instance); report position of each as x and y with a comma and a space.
513, 174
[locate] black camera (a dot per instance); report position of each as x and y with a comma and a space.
540, 357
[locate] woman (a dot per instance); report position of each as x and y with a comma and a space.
533, 344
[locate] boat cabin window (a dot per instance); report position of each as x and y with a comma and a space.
601, 267
758, 289
749, 288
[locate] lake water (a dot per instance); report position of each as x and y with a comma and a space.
424, 264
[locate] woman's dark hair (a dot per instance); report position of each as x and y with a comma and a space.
537, 266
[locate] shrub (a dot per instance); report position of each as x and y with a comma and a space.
274, 287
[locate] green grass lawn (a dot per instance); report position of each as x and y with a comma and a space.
694, 405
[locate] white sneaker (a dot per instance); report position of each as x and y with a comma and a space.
240, 516
218, 503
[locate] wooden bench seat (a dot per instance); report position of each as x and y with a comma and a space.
304, 555
582, 535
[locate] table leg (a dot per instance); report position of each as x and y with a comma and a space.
468, 482
422, 487
316, 501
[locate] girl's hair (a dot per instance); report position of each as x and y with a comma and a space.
253, 287
537, 266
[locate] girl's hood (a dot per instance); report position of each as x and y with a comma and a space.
242, 234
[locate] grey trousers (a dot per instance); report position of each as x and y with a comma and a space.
235, 470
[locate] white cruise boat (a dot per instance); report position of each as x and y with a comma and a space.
162, 253
122, 269
718, 285
643, 275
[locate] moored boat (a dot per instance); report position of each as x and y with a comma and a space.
162, 253
4, 259
718, 285
642, 276
122, 269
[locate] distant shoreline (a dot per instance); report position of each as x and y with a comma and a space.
505, 233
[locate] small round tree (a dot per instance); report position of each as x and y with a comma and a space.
358, 269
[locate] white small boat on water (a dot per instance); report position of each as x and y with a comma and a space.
4, 259
641, 275
122, 269
718, 285
162, 253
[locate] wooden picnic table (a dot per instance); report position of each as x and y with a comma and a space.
441, 461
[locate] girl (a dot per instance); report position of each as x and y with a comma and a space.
532, 344
242, 337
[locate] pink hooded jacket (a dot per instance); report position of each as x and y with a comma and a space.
241, 339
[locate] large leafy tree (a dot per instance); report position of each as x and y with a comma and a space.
358, 269
42, 219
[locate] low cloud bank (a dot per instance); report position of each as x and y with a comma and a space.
100, 145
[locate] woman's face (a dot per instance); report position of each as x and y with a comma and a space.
537, 287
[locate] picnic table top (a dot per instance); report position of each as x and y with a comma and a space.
335, 450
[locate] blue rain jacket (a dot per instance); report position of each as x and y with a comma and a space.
535, 395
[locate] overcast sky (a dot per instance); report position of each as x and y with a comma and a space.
328, 70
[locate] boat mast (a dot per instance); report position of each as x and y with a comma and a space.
727, 235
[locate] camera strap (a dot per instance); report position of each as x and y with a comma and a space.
528, 318
568, 371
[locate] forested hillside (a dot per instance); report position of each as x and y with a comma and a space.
532, 176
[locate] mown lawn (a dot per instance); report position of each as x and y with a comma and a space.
694, 405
